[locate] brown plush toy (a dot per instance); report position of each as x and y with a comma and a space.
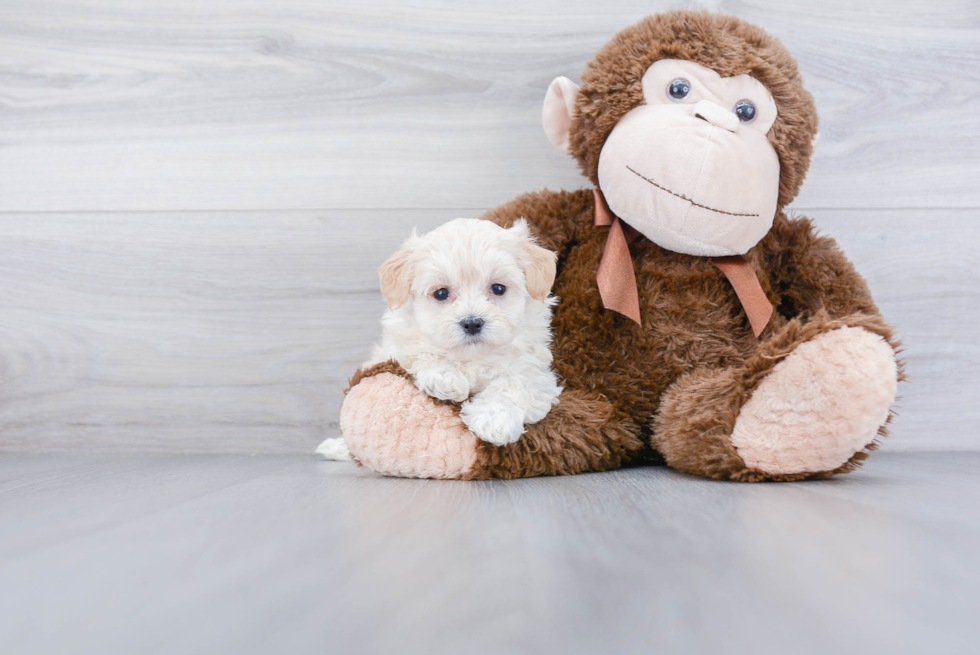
695, 319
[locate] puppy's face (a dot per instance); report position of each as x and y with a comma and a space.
468, 283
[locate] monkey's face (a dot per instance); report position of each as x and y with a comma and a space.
692, 169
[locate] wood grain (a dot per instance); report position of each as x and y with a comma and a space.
106, 105
156, 331
287, 554
194, 197
236, 332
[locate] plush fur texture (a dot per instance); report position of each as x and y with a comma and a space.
611, 84
407, 440
686, 172
682, 381
820, 405
698, 413
448, 449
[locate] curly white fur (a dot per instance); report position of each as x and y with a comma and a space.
502, 373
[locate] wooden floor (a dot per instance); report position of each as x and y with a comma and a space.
287, 554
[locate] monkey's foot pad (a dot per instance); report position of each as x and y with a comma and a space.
393, 428
820, 405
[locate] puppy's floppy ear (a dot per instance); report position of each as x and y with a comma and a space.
396, 274
539, 264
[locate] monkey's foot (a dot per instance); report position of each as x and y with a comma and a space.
807, 404
393, 428
820, 405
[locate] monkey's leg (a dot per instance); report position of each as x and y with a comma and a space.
808, 404
393, 428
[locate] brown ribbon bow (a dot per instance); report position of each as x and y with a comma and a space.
617, 279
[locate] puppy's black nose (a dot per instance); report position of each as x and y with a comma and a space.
472, 325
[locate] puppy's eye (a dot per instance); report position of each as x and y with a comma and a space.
441, 294
679, 89
497, 289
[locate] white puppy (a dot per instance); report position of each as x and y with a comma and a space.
470, 319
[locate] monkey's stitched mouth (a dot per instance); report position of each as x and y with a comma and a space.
683, 197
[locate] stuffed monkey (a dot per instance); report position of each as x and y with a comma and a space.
696, 321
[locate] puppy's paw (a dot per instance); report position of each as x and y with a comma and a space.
444, 383
494, 421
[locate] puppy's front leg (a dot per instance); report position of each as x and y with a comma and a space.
495, 414
498, 413
496, 420
442, 381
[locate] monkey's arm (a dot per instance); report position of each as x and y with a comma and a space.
809, 272
553, 216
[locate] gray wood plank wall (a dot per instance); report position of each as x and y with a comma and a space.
194, 196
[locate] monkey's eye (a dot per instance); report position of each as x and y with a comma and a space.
441, 294
497, 289
679, 89
745, 111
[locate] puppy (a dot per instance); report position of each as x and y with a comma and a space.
469, 318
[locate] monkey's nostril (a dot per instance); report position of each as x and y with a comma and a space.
716, 115
472, 324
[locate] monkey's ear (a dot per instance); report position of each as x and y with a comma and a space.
539, 264
396, 275
559, 107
